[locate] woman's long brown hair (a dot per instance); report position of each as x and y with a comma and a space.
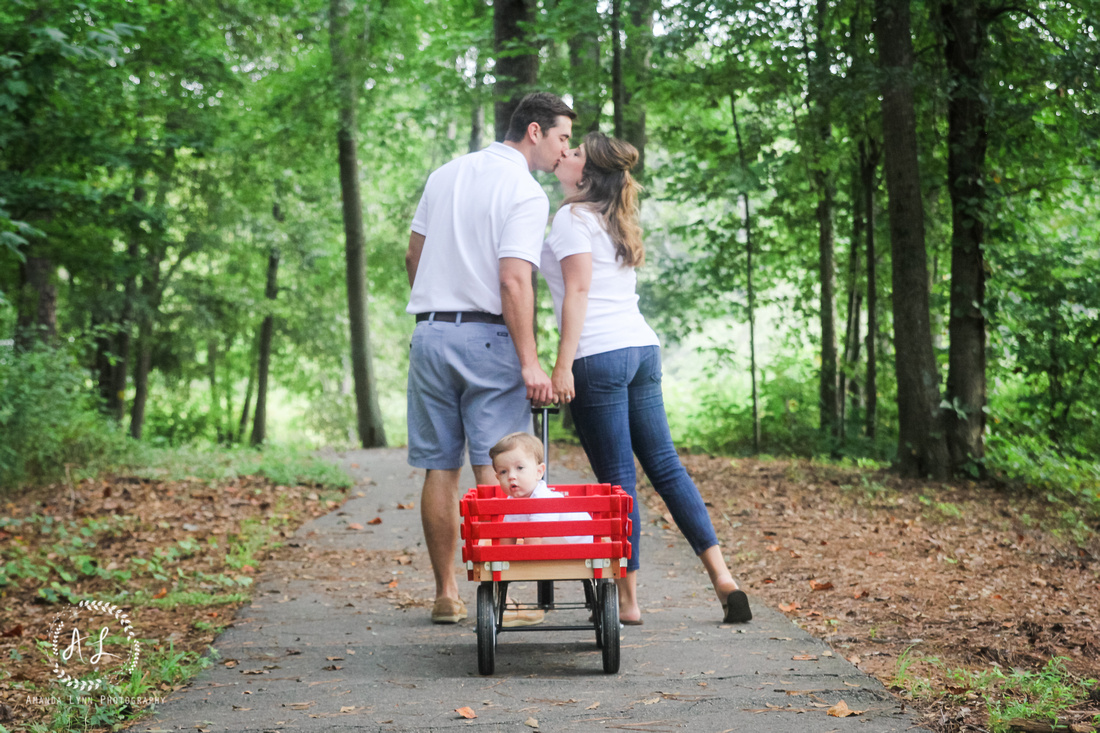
608, 189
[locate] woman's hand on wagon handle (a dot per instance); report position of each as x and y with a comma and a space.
562, 379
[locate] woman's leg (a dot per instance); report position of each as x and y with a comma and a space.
601, 415
652, 443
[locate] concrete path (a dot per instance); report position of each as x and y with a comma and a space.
325, 647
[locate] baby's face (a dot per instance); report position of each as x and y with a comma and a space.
518, 472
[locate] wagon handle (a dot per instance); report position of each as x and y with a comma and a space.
544, 411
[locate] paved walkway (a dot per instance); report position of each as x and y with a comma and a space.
327, 648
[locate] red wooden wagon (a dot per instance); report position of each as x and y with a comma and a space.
596, 564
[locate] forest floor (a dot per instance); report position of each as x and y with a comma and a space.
958, 597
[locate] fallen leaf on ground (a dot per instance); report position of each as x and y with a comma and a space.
14, 631
804, 658
159, 594
466, 712
788, 607
841, 710
531, 723
593, 706
376, 520
347, 709
410, 505
355, 525
817, 585
298, 705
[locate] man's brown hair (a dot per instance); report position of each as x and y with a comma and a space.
541, 107
526, 441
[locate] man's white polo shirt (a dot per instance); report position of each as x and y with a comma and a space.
474, 211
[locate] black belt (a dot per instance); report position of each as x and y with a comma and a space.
467, 317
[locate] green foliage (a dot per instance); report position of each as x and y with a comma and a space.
49, 418
1043, 694
283, 464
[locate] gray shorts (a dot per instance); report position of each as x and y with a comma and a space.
465, 386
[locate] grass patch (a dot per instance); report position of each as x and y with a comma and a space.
1047, 695
283, 464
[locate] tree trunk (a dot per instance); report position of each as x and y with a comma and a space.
826, 192
517, 65
967, 140
252, 369
477, 112
121, 372
225, 425
371, 432
868, 161
267, 331
215, 398
751, 293
37, 313
922, 447
639, 42
618, 92
150, 282
855, 307
584, 65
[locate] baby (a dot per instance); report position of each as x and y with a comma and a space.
518, 463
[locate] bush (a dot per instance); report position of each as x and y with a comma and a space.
49, 417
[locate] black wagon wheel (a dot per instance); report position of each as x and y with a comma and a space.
486, 629
592, 604
608, 613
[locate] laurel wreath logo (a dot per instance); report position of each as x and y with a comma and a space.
100, 607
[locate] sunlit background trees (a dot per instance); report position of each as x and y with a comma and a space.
872, 225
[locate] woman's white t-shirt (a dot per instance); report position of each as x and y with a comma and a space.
613, 320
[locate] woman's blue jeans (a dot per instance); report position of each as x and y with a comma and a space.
619, 413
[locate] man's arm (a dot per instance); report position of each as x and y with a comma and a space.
518, 302
412, 255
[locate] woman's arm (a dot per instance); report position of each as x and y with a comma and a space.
577, 272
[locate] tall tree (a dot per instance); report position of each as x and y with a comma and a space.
517, 61
618, 84
342, 44
267, 330
868, 162
37, 298
922, 446
964, 26
750, 292
818, 68
635, 77
585, 67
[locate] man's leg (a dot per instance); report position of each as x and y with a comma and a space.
439, 515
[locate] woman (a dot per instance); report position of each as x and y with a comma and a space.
609, 361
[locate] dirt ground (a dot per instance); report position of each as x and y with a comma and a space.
143, 519
907, 580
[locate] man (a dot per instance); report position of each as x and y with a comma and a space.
476, 236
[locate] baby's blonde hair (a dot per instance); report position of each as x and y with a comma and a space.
525, 441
